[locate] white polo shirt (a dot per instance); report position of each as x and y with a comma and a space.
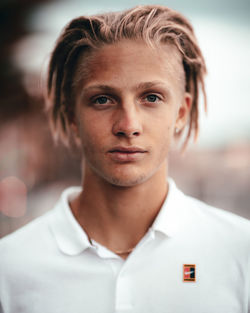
194, 258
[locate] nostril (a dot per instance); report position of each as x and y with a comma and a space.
136, 133
121, 134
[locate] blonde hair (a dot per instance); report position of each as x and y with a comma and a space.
151, 23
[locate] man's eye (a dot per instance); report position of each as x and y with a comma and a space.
152, 98
101, 100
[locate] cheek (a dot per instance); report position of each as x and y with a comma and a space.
92, 135
88, 126
165, 138
164, 132
164, 124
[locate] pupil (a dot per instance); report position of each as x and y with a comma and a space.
102, 100
152, 98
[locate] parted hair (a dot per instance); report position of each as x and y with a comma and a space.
153, 24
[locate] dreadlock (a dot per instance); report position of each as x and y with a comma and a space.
152, 24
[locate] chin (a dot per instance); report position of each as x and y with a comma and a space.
125, 176
126, 181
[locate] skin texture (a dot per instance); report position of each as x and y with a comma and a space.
132, 96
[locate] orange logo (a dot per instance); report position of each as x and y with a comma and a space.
189, 272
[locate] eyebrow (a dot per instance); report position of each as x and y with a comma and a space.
99, 87
143, 85
146, 85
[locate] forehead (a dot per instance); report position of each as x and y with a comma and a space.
131, 61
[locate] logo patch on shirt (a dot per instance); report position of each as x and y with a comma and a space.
189, 272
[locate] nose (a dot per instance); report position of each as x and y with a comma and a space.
127, 122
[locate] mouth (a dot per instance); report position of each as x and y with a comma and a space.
127, 150
127, 154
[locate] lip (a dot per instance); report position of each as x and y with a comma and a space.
129, 149
123, 154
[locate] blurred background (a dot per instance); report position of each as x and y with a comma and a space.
33, 171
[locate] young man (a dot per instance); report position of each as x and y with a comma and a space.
122, 86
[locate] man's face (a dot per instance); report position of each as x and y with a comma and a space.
127, 108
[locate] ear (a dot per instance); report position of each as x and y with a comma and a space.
183, 112
74, 128
75, 134
73, 124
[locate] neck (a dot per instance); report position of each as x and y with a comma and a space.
118, 217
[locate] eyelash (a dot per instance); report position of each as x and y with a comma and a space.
109, 100
154, 95
96, 99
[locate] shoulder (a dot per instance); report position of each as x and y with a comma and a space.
36, 231
23, 251
217, 216
196, 214
27, 238
28, 245
223, 228
207, 225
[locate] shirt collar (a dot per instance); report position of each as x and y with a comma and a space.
174, 216
71, 239
69, 235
